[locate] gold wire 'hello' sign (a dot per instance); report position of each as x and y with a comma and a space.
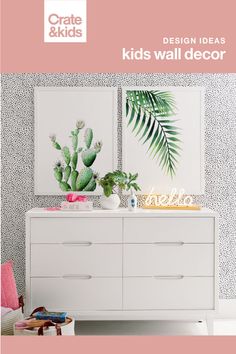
176, 200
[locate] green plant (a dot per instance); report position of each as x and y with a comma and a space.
119, 179
150, 114
69, 177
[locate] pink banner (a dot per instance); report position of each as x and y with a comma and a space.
118, 345
122, 36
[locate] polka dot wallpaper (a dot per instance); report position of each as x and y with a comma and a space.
18, 155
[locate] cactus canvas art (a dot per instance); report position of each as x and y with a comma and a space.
69, 175
75, 138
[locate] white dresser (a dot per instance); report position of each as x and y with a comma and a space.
123, 265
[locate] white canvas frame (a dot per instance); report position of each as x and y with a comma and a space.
113, 132
200, 189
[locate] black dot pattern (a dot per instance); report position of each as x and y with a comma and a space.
18, 155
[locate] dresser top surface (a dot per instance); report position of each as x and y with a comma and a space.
121, 212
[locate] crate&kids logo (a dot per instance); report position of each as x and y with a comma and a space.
65, 21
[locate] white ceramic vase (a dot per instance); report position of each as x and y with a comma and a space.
112, 202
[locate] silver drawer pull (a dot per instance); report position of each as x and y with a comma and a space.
179, 243
77, 243
169, 277
76, 276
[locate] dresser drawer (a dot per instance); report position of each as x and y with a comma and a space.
76, 294
190, 230
168, 258
168, 294
61, 259
56, 230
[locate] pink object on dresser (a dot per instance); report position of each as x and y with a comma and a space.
73, 197
9, 295
53, 208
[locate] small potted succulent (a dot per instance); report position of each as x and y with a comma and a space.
113, 181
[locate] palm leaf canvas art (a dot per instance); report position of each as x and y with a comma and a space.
151, 113
163, 137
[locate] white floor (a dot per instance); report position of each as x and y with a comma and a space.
161, 328
224, 324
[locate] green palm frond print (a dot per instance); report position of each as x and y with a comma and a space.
150, 114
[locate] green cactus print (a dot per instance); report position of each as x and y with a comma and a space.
74, 160
67, 173
88, 137
58, 171
91, 186
58, 174
74, 175
85, 175
88, 157
66, 155
70, 178
65, 187
74, 138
